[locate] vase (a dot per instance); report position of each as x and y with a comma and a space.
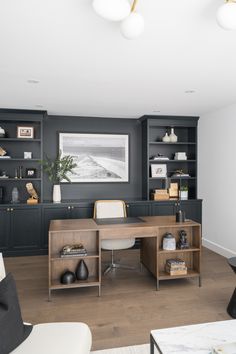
172, 136
166, 138
68, 277
82, 272
56, 196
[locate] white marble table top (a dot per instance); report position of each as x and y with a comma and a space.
197, 339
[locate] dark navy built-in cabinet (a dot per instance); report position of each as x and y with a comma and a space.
24, 228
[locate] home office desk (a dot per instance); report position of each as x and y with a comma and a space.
150, 230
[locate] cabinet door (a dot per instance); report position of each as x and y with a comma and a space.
52, 213
138, 209
193, 209
4, 229
78, 212
163, 208
25, 228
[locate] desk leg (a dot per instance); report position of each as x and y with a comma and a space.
158, 284
200, 281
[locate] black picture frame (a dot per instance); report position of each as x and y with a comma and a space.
30, 172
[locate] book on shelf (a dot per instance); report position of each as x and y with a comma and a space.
226, 348
5, 157
177, 272
73, 254
175, 262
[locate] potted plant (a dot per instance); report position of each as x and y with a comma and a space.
58, 171
183, 193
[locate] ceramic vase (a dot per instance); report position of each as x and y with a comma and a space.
82, 272
166, 138
68, 277
173, 137
56, 196
2, 133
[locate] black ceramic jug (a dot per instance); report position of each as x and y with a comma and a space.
68, 277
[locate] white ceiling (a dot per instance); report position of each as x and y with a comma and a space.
85, 67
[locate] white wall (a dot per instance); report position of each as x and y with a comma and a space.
217, 179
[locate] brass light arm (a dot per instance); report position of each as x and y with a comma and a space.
234, 1
134, 5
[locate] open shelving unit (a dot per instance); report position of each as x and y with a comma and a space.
58, 265
191, 255
15, 148
153, 129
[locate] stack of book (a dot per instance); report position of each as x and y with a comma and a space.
73, 251
176, 267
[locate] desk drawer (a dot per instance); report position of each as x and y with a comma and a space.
134, 232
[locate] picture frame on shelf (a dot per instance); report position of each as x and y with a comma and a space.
99, 157
158, 170
30, 173
25, 132
27, 155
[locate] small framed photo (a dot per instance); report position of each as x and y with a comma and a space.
25, 132
30, 173
27, 155
159, 170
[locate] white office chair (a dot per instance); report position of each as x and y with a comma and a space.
54, 338
113, 209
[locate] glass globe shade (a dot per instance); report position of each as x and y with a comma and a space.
132, 26
112, 10
226, 16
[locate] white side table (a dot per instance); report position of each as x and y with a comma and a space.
197, 339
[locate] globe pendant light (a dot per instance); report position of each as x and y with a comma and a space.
112, 10
133, 25
226, 15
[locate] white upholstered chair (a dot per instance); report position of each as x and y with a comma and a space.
54, 338
113, 209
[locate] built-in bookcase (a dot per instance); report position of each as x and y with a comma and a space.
153, 129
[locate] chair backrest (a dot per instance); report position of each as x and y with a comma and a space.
2, 268
109, 209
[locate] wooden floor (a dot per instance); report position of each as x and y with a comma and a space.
130, 306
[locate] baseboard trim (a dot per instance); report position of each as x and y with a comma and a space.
225, 252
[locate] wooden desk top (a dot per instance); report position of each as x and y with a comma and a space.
90, 224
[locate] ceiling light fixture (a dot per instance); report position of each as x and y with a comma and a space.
132, 24
226, 15
33, 81
112, 10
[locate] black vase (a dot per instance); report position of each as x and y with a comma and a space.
82, 272
68, 277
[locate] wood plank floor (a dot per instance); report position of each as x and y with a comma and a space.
129, 307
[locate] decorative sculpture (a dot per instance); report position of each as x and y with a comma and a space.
34, 199
183, 242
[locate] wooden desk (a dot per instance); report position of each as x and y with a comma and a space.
151, 231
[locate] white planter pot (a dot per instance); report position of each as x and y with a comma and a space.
56, 196
183, 195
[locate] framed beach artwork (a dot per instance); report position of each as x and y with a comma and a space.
99, 157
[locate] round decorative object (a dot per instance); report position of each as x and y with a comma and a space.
82, 272
226, 16
56, 197
132, 26
112, 10
68, 277
172, 136
169, 242
2, 133
166, 138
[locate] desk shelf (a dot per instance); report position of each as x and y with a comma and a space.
58, 265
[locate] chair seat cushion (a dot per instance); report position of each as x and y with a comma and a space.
119, 244
57, 338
